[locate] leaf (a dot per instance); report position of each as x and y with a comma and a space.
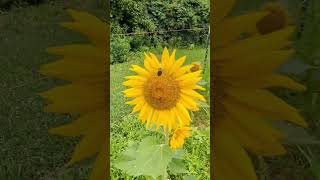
179, 154
189, 177
176, 166
149, 158
295, 135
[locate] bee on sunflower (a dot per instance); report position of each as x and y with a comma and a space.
164, 92
85, 66
243, 72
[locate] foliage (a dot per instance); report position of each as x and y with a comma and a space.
119, 49
154, 15
150, 158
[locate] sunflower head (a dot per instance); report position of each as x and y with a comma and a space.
276, 19
161, 91
164, 91
178, 137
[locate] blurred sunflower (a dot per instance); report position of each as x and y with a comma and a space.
164, 91
84, 65
243, 70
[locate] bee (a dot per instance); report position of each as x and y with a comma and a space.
159, 72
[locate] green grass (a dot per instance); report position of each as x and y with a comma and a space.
126, 126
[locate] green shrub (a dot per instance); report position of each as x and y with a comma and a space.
119, 49
154, 15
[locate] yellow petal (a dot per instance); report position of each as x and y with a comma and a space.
253, 131
165, 59
155, 60
89, 145
139, 70
259, 64
76, 71
272, 80
183, 113
229, 156
221, 9
177, 64
89, 25
189, 76
82, 52
193, 94
74, 98
133, 83
133, 92
138, 78
230, 29
100, 166
265, 102
188, 103
79, 126
258, 44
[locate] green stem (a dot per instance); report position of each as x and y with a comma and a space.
166, 139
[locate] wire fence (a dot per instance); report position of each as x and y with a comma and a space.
139, 33
159, 32
175, 30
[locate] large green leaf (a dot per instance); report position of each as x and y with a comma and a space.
176, 166
189, 177
149, 158
179, 154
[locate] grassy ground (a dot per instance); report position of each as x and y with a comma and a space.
125, 126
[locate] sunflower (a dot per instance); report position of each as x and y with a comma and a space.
164, 92
243, 71
178, 137
84, 65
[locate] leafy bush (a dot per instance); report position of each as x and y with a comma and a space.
153, 15
119, 49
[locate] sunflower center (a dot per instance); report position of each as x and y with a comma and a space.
275, 20
161, 92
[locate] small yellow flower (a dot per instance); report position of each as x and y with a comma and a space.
164, 92
178, 137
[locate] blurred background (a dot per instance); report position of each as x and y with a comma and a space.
27, 28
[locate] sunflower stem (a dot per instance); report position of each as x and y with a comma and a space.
165, 137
